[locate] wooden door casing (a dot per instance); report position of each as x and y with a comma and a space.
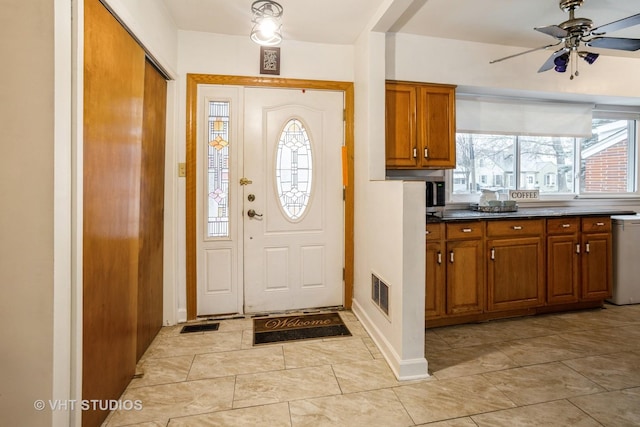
193, 81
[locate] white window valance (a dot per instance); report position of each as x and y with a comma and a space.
522, 117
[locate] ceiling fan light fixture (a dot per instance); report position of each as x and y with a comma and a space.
561, 63
589, 57
267, 25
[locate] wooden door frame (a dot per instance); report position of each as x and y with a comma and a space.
193, 81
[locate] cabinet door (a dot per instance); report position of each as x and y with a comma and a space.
465, 277
400, 125
434, 303
515, 273
563, 269
436, 127
596, 265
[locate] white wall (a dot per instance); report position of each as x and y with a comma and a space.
27, 215
153, 26
207, 53
466, 64
389, 224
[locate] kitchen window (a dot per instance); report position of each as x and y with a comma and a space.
604, 164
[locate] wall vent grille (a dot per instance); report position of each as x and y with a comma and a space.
380, 293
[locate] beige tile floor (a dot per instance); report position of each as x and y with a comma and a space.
570, 369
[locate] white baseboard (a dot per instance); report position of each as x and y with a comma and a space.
182, 315
404, 370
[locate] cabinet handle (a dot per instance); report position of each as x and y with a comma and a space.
451, 257
517, 227
426, 153
415, 153
578, 248
439, 257
493, 253
599, 224
586, 248
466, 230
566, 225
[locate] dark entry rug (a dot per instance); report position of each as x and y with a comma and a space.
269, 330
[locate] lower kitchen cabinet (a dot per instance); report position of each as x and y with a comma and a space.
515, 265
563, 260
487, 269
465, 268
435, 270
597, 264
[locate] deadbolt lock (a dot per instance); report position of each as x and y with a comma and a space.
251, 197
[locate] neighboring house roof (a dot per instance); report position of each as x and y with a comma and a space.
607, 136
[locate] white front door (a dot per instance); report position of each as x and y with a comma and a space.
272, 222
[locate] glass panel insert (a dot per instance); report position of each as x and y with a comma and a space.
294, 169
606, 165
218, 170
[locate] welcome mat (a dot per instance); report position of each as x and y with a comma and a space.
269, 330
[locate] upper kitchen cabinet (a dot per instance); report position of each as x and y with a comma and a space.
420, 131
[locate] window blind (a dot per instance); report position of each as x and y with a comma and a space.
522, 117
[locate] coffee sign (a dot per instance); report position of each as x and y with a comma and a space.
524, 194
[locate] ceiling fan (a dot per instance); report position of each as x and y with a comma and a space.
574, 32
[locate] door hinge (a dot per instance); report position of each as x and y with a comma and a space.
344, 114
344, 274
344, 194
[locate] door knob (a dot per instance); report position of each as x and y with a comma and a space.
251, 213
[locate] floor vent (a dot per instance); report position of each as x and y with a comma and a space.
380, 293
204, 327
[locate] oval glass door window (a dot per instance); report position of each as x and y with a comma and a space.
294, 169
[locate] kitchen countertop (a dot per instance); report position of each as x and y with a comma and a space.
470, 215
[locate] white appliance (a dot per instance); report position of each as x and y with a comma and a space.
626, 268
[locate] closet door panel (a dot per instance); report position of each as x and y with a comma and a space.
113, 103
151, 209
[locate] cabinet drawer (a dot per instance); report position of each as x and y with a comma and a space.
465, 230
434, 231
515, 227
563, 225
596, 223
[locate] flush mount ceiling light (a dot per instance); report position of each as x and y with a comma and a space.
267, 28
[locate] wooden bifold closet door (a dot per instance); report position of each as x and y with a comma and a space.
123, 188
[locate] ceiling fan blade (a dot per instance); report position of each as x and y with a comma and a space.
629, 21
549, 64
615, 43
522, 53
553, 31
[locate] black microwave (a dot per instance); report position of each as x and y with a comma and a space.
435, 193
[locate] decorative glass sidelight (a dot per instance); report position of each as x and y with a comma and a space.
218, 169
294, 169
